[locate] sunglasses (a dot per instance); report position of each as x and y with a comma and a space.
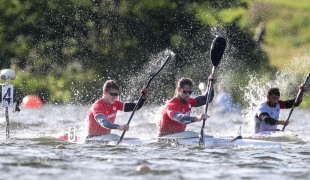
113, 94
185, 92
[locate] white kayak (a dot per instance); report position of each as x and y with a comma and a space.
189, 138
186, 138
112, 139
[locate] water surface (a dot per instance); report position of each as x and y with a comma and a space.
31, 151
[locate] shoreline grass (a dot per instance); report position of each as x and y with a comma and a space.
287, 31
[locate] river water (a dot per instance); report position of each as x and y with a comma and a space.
31, 153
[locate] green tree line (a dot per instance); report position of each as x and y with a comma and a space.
63, 51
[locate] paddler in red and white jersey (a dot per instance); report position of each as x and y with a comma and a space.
176, 113
102, 114
266, 117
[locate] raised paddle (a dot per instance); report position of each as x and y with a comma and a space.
169, 56
217, 50
298, 95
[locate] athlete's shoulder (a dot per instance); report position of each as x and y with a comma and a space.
262, 104
281, 102
98, 101
173, 103
174, 100
97, 107
118, 102
192, 99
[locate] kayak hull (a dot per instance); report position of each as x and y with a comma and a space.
187, 138
210, 141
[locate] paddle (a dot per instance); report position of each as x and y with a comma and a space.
217, 50
169, 56
298, 95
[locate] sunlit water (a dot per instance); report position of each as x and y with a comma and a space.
31, 151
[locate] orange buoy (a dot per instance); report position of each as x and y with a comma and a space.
32, 101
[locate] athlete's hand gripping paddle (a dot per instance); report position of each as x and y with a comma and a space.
169, 56
296, 100
217, 50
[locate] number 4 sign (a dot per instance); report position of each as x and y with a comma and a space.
7, 95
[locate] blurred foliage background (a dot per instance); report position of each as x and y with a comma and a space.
64, 51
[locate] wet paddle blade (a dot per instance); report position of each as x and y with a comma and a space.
217, 50
169, 56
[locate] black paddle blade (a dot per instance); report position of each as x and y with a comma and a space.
169, 56
217, 50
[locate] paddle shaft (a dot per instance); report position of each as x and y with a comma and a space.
140, 99
296, 100
217, 50
201, 140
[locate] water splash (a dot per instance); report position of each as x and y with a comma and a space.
135, 82
288, 81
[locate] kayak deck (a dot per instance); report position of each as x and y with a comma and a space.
211, 141
186, 138
278, 136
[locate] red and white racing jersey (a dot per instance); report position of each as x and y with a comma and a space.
109, 111
169, 126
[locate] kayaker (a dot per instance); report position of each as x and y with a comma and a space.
176, 113
102, 114
266, 117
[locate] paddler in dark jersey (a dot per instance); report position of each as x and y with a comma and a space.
176, 113
102, 114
